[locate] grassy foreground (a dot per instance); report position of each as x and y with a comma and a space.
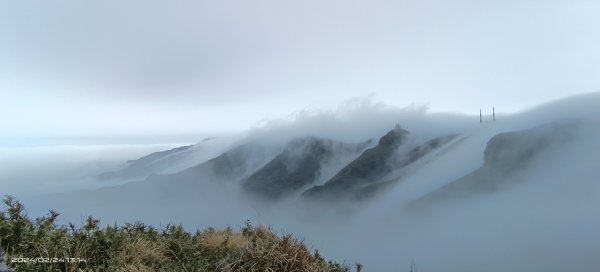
41, 245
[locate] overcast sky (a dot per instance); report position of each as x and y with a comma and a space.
177, 67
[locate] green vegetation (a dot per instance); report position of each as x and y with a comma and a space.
138, 247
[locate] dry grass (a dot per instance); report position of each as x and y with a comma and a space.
265, 251
231, 241
140, 254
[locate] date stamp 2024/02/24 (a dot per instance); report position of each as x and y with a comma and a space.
46, 260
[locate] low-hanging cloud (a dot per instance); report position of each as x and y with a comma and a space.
359, 119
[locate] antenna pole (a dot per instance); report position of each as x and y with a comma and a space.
494, 114
480, 120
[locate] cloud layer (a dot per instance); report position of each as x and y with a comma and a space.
190, 66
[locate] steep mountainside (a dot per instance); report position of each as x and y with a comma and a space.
299, 164
408, 159
363, 175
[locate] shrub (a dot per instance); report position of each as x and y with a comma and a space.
139, 247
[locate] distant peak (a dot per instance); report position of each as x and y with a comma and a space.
394, 136
207, 139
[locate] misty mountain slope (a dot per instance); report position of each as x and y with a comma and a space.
230, 166
410, 159
374, 165
200, 181
506, 156
466, 154
214, 181
368, 167
301, 163
169, 161
144, 165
